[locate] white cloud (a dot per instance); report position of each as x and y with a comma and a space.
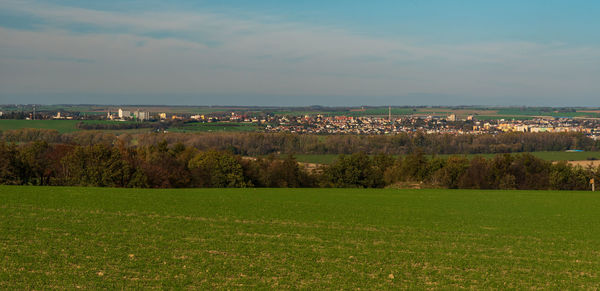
206, 53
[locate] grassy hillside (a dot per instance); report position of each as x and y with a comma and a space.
69, 238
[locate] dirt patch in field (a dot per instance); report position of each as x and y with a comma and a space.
583, 163
593, 163
311, 167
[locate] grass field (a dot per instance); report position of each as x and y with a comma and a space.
325, 159
505, 117
62, 126
538, 112
548, 156
383, 111
566, 156
67, 238
217, 127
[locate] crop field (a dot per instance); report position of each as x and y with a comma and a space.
548, 156
91, 238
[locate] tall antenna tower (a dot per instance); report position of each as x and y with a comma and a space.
390, 114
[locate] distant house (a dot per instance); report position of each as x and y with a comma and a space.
124, 114
140, 115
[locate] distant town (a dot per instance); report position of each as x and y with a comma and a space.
352, 121
431, 125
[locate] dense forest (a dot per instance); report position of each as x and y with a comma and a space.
254, 144
164, 165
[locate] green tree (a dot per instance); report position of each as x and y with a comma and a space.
416, 166
216, 169
355, 170
478, 175
33, 163
284, 173
501, 175
97, 165
9, 164
393, 174
452, 171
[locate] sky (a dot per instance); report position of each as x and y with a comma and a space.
297, 53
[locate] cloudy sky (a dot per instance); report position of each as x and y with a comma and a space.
276, 52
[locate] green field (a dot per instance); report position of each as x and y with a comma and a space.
382, 111
548, 156
538, 112
491, 113
566, 156
217, 127
505, 117
62, 126
316, 158
67, 238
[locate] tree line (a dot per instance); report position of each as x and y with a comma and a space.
155, 166
254, 144
503, 171
164, 165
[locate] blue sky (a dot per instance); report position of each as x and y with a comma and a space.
235, 52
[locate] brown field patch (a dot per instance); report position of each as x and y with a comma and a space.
593, 163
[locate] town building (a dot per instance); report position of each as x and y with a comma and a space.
141, 115
124, 114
